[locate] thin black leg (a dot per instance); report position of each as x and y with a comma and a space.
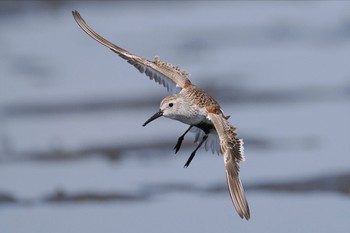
181, 138
194, 152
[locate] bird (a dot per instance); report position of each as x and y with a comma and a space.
192, 106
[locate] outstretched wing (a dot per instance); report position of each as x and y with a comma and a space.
232, 150
170, 76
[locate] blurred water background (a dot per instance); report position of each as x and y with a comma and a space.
73, 154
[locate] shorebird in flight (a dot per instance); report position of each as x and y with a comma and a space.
194, 107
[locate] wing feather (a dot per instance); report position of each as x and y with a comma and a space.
212, 143
170, 76
232, 150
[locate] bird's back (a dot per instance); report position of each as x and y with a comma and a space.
200, 98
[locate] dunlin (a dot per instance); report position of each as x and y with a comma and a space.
194, 107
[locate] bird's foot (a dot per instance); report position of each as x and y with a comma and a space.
178, 144
190, 159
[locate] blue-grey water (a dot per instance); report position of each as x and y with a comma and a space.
74, 156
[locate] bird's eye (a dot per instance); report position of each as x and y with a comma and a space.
171, 104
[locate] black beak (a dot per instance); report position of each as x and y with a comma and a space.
155, 116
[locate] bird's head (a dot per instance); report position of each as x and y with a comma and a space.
169, 107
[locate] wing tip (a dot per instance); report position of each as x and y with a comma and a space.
75, 14
238, 197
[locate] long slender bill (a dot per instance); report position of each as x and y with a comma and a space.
152, 118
